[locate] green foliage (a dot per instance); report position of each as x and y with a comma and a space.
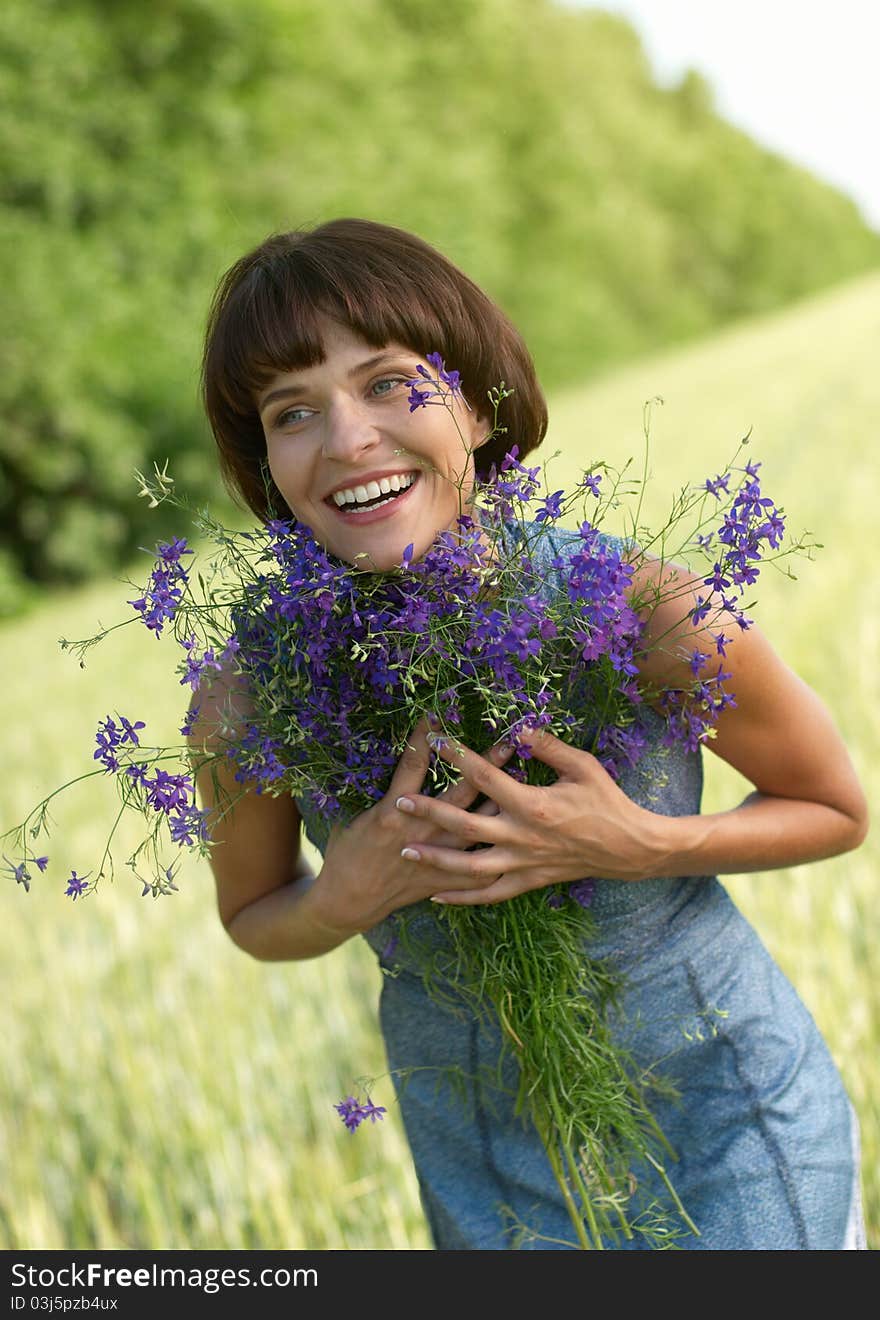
138, 158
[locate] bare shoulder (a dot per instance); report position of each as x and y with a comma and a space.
220, 708
688, 635
777, 731
665, 594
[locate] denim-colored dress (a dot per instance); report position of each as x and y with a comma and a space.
765, 1135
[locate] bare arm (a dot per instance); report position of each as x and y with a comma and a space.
264, 884
807, 804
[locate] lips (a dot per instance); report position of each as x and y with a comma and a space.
371, 478
365, 517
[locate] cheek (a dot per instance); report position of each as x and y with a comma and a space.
286, 472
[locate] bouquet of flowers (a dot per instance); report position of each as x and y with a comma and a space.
341, 662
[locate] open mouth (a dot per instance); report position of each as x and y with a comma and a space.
356, 504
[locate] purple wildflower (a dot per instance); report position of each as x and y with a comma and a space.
591, 483
187, 826
773, 529
718, 582
167, 792
129, 734
550, 507
195, 666
165, 590
582, 891
111, 736
76, 885
108, 739
20, 872
171, 552
257, 759
349, 1111
190, 718
697, 660
353, 1113
720, 483
522, 489
451, 379
700, 610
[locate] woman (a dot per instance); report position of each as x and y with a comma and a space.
312, 340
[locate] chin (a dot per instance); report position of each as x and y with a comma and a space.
384, 561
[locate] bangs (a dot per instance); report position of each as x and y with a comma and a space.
271, 321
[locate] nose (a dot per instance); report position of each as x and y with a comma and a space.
348, 430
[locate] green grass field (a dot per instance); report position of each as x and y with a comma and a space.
159, 1089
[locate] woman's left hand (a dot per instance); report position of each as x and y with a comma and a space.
581, 826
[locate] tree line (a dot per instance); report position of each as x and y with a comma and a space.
142, 149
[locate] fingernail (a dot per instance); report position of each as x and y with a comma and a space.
410, 854
433, 720
503, 749
438, 900
404, 804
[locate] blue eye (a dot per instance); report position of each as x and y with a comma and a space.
289, 417
386, 380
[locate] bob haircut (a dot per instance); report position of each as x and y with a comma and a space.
386, 285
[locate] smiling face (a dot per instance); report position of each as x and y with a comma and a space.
368, 476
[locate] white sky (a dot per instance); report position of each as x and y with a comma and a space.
802, 76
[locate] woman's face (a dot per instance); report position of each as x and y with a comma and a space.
345, 426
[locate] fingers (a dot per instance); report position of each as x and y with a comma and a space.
450, 812
412, 766
502, 889
464, 794
569, 762
482, 774
453, 839
468, 826
477, 869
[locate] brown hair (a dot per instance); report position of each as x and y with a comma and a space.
388, 286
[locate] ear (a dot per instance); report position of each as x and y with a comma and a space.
482, 430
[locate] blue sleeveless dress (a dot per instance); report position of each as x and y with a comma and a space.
765, 1135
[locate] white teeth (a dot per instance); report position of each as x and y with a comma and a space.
373, 489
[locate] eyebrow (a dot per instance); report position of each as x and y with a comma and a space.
295, 391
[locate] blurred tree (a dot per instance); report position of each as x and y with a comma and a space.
143, 149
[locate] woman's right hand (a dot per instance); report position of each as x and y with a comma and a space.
364, 878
